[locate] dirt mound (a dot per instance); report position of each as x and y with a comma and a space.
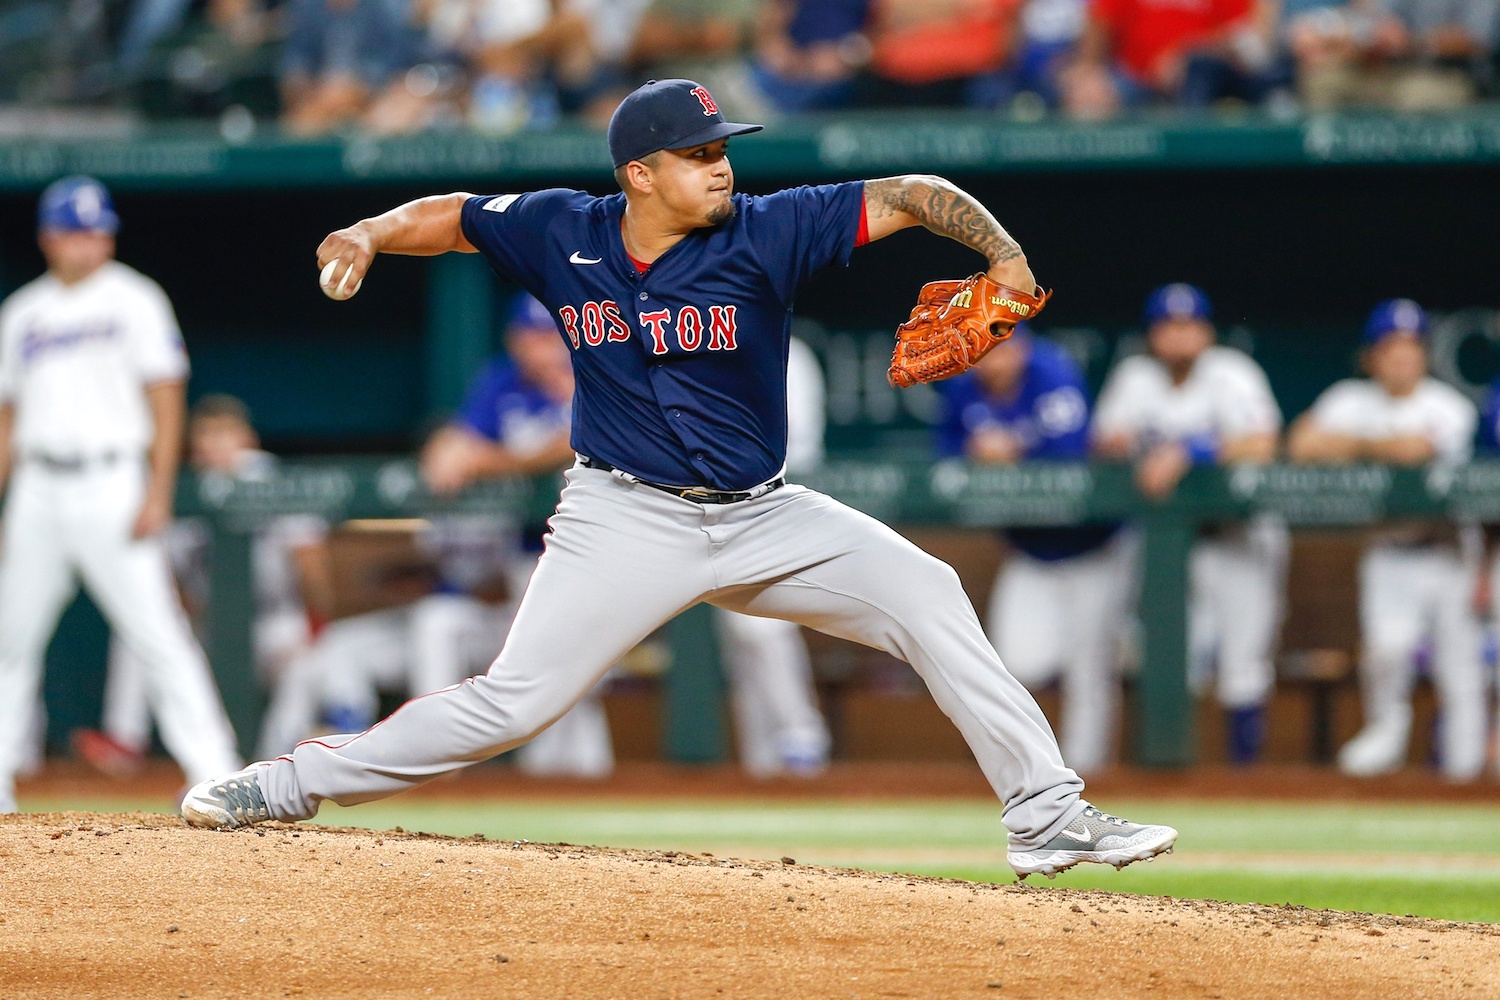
127, 905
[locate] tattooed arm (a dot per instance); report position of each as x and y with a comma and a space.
896, 203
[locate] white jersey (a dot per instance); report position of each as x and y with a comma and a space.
1226, 396
75, 359
805, 413
1361, 408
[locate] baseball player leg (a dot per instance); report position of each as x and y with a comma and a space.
776, 705
131, 581
126, 713
35, 584
578, 745
1091, 681
1204, 568
1042, 632
443, 630
1248, 602
295, 701
1023, 623
620, 560
357, 657
1394, 604
846, 574
1458, 672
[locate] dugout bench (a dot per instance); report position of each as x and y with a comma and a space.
950, 493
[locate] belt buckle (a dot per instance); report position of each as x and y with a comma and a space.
701, 492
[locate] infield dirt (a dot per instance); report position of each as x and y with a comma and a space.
137, 905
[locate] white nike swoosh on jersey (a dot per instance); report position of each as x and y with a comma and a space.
576, 259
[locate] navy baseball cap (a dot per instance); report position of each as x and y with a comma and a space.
1395, 316
77, 204
667, 114
529, 314
1178, 301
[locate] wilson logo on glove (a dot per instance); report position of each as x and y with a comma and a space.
947, 334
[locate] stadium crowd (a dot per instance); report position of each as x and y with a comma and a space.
402, 66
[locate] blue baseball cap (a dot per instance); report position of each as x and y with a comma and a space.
1178, 301
527, 313
667, 114
77, 204
1395, 316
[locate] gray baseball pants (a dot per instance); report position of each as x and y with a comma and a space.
621, 559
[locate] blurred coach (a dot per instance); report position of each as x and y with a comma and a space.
92, 375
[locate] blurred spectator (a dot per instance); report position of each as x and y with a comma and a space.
1191, 402
479, 59
948, 53
1410, 55
1050, 30
1415, 579
1059, 599
808, 52
1191, 52
589, 44
338, 55
703, 40
245, 23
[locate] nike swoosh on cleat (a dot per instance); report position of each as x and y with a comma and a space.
1080, 837
576, 259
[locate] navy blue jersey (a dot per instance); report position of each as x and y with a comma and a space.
680, 371
1049, 415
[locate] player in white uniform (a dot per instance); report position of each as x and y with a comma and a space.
92, 374
1415, 580
290, 584
1192, 402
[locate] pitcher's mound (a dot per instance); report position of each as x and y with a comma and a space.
95, 905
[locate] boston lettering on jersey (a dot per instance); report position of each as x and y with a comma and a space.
680, 370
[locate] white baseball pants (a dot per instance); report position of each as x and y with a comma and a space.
280, 637
778, 726
61, 524
1407, 595
623, 558
1058, 619
1236, 604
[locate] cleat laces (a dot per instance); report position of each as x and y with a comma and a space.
243, 801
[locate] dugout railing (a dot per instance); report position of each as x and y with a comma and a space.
945, 493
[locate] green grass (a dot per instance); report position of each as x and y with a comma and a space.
1432, 860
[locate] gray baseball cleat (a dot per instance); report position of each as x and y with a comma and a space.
1094, 836
225, 803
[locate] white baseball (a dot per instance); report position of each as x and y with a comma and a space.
337, 292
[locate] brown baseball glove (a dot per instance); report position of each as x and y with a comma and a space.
954, 324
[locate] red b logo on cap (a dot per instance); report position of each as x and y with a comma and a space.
709, 107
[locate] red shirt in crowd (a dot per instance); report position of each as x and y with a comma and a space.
1143, 32
922, 41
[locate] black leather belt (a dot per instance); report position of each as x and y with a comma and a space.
697, 494
73, 463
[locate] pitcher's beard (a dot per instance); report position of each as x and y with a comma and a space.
721, 213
